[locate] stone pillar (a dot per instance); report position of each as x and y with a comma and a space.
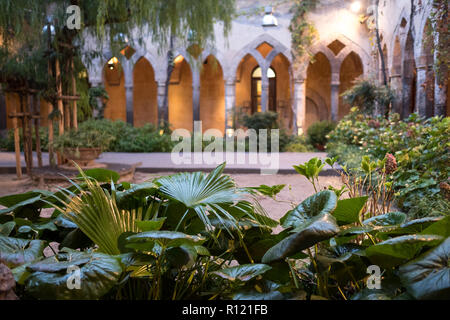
163, 112
128, 70
264, 90
196, 95
97, 83
230, 101
421, 94
396, 85
335, 84
300, 105
440, 98
129, 104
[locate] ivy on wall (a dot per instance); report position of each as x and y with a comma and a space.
440, 26
302, 31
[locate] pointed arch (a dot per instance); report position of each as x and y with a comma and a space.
212, 95
114, 83
145, 108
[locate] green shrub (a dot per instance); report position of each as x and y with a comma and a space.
420, 146
299, 144
318, 131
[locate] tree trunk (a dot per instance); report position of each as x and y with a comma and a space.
164, 118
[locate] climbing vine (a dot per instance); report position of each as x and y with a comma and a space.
302, 31
440, 27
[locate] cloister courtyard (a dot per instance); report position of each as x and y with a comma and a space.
224, 150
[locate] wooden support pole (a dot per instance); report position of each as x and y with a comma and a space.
16, 140
74, 93
60, 105
59, 100
36, 110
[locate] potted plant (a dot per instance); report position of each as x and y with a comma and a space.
82, 146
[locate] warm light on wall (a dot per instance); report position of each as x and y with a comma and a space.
112, 62
230, 133
356, 6
178, 59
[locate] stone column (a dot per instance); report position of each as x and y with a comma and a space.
163, 112
97, 83
396, 85
230, 101
264, 90
129, 104
335, 84
421, 94
299, 104
196, 95
440, 98
128, 70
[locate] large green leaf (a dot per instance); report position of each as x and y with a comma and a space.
396, 251
347, 210
243, 272
440, 228
166, 238
102, 175
151, 225
428, 277
14, 252
388, 219
204, 194
320, 203
49, 278
315, 230
410, 227
7, 228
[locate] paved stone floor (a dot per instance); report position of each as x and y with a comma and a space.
157, 162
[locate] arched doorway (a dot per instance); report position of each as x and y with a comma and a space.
257, 87
145, 108
318, 90
409, 78
244, 84
180, 95
351, 69
212, 95
114, 81
282, 68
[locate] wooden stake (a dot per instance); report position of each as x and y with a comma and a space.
60, 105
16, 140
36, 110
74, 93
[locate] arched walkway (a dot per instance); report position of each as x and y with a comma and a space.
212, 95
351, 69
114, 82
180, 95
318, 90
145, 107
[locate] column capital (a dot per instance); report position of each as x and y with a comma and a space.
299, 80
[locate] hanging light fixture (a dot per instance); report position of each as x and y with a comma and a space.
269, 20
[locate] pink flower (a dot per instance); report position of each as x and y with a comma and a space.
391, 163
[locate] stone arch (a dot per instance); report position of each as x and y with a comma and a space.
180, 95
409, 77
145, 107
243, 83
251, 48
351, 69
318, 84
114, 84
335, 60
212, 95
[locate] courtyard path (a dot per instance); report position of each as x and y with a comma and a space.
162, 162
